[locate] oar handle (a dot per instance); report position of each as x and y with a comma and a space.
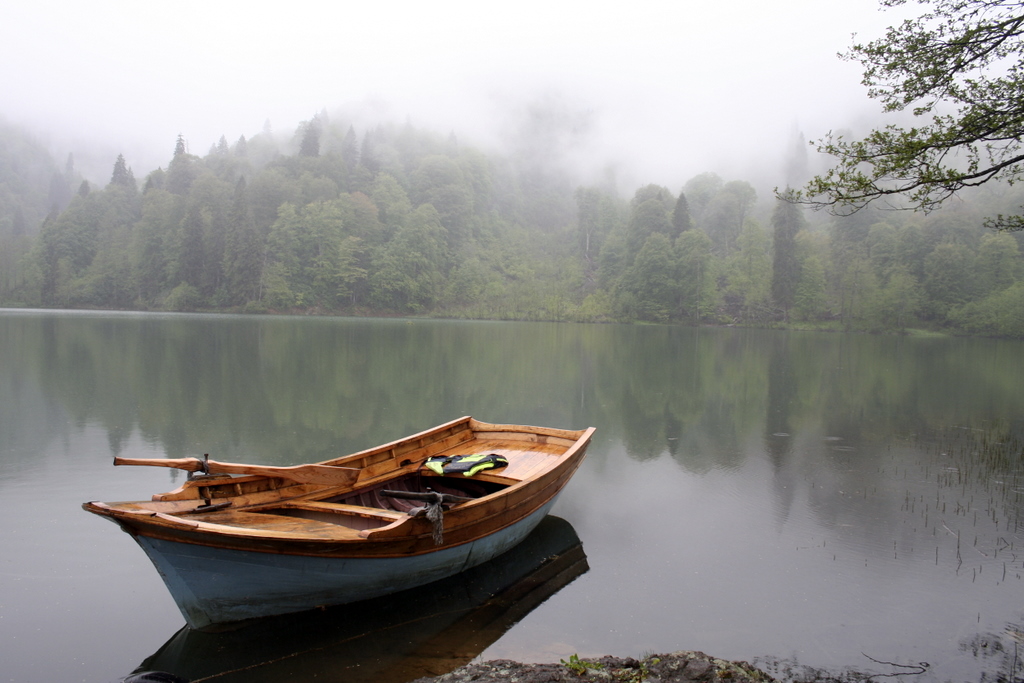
321, 475
189, 464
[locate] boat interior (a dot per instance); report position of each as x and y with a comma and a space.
364, 508
372, 507
260, 505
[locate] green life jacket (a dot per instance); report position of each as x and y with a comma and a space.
466, 465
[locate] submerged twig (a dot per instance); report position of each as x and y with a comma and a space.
920, 666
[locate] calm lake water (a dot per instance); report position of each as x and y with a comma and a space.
804, 501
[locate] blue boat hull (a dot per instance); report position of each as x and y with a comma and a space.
215, 585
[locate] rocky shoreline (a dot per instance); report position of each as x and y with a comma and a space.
677, 667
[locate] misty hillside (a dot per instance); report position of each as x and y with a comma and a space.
30, 183
396, 220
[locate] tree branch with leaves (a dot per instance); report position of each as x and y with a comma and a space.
961, 55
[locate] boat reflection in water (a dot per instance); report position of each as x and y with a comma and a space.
426, 631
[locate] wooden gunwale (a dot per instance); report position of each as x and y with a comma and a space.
401, 446
528, 490
403, 537
227, 487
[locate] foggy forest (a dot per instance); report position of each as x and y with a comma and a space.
396, 220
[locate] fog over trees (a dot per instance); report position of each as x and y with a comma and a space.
398, 220
516, 162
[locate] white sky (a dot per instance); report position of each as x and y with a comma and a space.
671, 89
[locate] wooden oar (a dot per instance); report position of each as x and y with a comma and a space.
428, 497
323, 475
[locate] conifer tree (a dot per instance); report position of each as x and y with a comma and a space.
787, 220
121, 175
190, 248
243, 251
310, 145
587, 215
681, 221
181, 171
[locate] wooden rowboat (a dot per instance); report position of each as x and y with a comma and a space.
260, 541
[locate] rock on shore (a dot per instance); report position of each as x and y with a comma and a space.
677, 667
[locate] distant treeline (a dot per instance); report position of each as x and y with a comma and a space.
399, 221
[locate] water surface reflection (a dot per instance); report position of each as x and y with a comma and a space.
821, 500
426, 631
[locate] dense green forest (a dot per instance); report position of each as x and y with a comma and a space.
400, 221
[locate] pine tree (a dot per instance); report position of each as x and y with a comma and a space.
181, 171
681, 221
160, 210
243, 251
787, 219
121, 175
50, 251
310, 145
190, 248
587, 207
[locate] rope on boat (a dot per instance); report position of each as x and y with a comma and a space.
435, 505
435, 513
